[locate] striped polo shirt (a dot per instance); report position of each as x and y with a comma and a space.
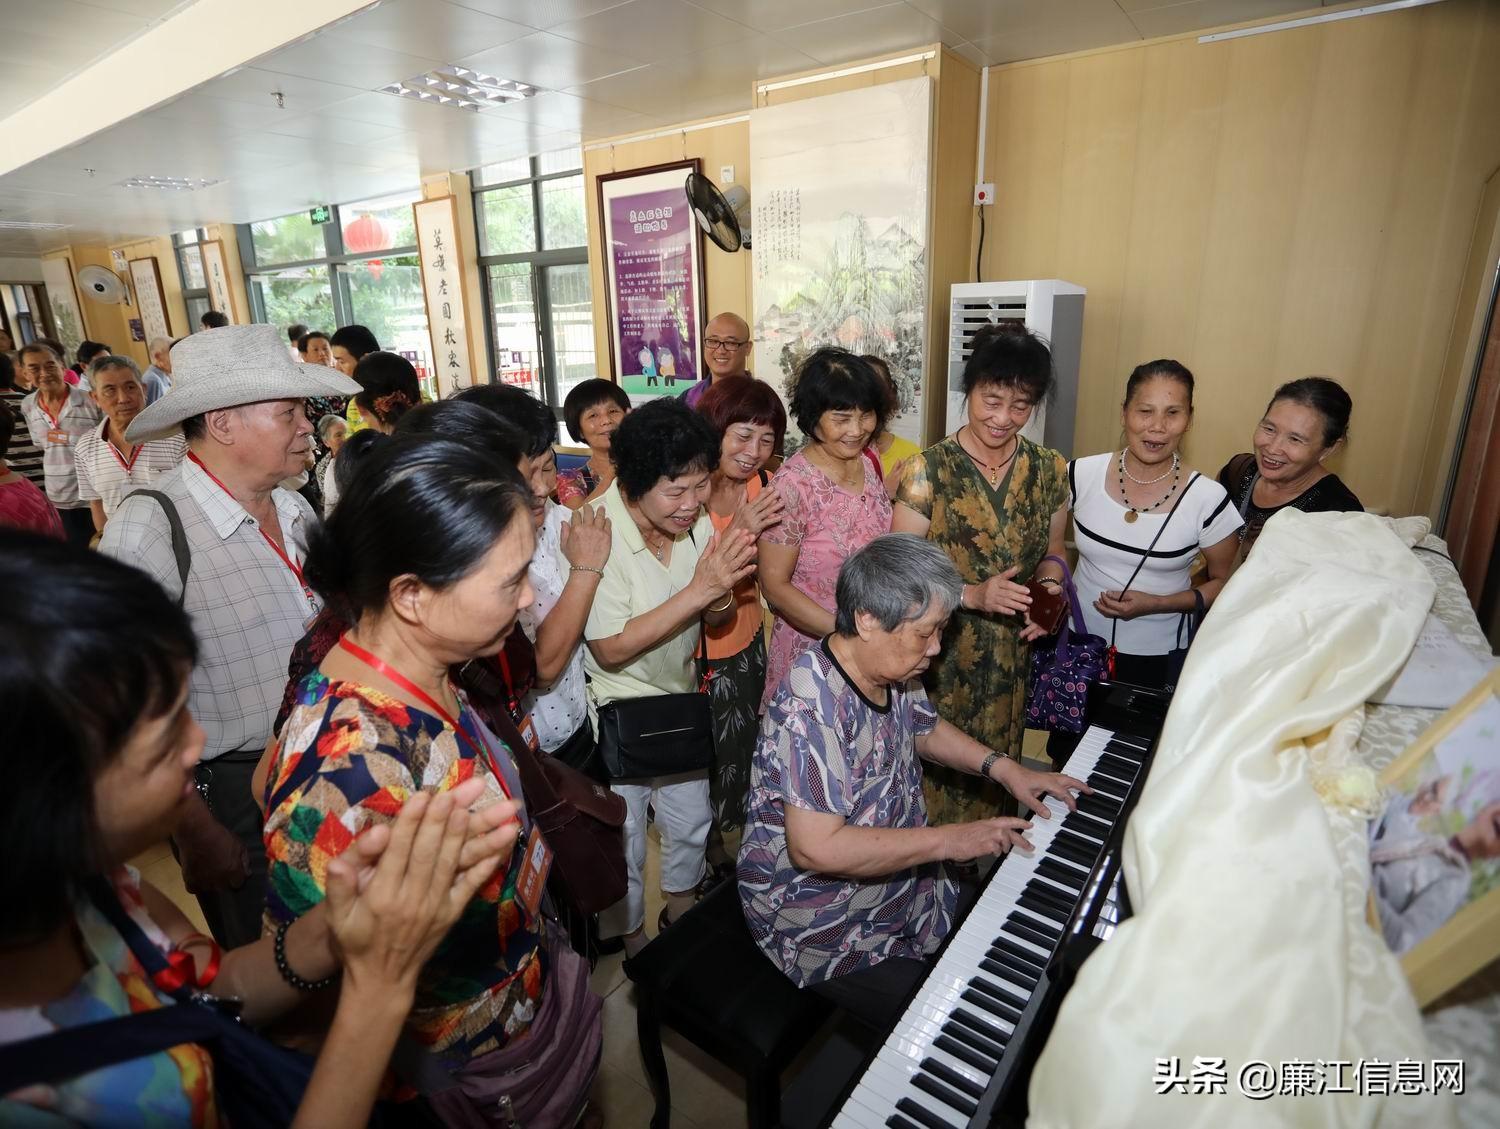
107, 475
24, 456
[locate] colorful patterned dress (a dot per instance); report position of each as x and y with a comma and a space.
172, 1088
827, 524
825, 747
978, 680
349, 758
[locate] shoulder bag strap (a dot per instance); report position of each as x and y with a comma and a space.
75, 1051
180, 547
1115, 623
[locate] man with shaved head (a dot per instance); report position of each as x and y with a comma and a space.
157, 379
726, 348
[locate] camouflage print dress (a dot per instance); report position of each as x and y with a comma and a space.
978, 681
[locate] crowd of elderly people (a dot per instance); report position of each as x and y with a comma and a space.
328, 626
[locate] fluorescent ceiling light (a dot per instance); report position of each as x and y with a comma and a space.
461, 88
29, 225
1323, 18
169, 183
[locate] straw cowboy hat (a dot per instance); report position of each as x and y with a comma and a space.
230, 366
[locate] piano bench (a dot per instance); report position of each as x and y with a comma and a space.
706, 978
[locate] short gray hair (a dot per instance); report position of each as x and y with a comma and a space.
896, 578
113, 360
328, 423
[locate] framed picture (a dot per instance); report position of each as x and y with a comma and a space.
653, 279
62, 296
150, 299
440, 256
220, 293
1435, 851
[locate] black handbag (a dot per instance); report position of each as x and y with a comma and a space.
662, 735
1177, 656
258, 1084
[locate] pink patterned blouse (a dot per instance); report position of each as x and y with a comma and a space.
826, 523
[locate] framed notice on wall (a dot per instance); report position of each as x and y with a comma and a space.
145, 275
220, 293
442, 262
653, 279
62, 297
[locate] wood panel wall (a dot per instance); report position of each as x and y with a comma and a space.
1295, 203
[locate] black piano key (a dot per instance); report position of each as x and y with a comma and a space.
1027, 933
1046, 909
1099, 782
965, 1054
1001, 993
1117, 767
896, 1121
1033, 924
980, 1025
960, 1082
1106, 808
1026, 960
1058, 872
1044, 889
1014, 972
945, 1094
991, 1005
917, 1113
1136, 740
1126, 752
976, 1042
1088, 848
1086, 826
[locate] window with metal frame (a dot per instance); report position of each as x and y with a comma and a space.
533, 264
187, 245
359, 268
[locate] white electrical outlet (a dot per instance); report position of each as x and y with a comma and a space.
984, 194
726, 174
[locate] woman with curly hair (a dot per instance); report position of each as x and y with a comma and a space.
669, 577
834, 501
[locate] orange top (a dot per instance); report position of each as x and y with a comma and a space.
733, 637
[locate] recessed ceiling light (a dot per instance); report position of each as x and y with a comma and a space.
168, 183
462, 88
31, 225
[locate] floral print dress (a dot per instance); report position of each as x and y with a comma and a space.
349, 758
978, 680
827, 525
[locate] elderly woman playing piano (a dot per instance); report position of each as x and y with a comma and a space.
841, 878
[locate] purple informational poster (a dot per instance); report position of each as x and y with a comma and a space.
654, 271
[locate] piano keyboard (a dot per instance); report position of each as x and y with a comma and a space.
953, 1049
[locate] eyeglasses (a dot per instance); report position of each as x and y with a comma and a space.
723, 344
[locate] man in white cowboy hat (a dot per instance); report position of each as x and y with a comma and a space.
235, 564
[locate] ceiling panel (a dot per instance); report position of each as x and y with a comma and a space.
655, 29
431, 28
982, 21
327, 125
550, 61
79, 29
149, 9
775, 15
347, 64
258, 87
1102, 28
540, 14
859, 35
1199, 14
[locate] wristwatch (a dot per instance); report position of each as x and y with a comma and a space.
989, 763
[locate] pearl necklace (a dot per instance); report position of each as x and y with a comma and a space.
1133, 513
1176, 462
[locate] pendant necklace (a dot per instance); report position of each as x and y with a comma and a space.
992, 473
1133, 513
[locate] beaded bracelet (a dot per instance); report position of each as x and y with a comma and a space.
586, 568
286, 969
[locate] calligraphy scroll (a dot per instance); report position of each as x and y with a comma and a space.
145, 274
441, 258
220, 294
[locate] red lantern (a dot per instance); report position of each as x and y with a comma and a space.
375, 267
366, 234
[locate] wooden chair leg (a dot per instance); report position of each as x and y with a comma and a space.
763, 1099
648, 1033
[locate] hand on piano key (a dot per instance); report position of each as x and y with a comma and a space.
967, 841
1030, 786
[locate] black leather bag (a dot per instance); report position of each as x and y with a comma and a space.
661, 735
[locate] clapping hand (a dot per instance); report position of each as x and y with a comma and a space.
395, 893
759, 515
585, 538
728, 558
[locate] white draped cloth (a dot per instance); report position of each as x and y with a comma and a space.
1248, 942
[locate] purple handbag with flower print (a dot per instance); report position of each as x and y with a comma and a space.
1063, 667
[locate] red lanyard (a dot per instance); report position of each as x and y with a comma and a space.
385, 670
53, 419
127, 467
275, 548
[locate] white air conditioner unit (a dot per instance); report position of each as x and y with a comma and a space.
1047, 306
